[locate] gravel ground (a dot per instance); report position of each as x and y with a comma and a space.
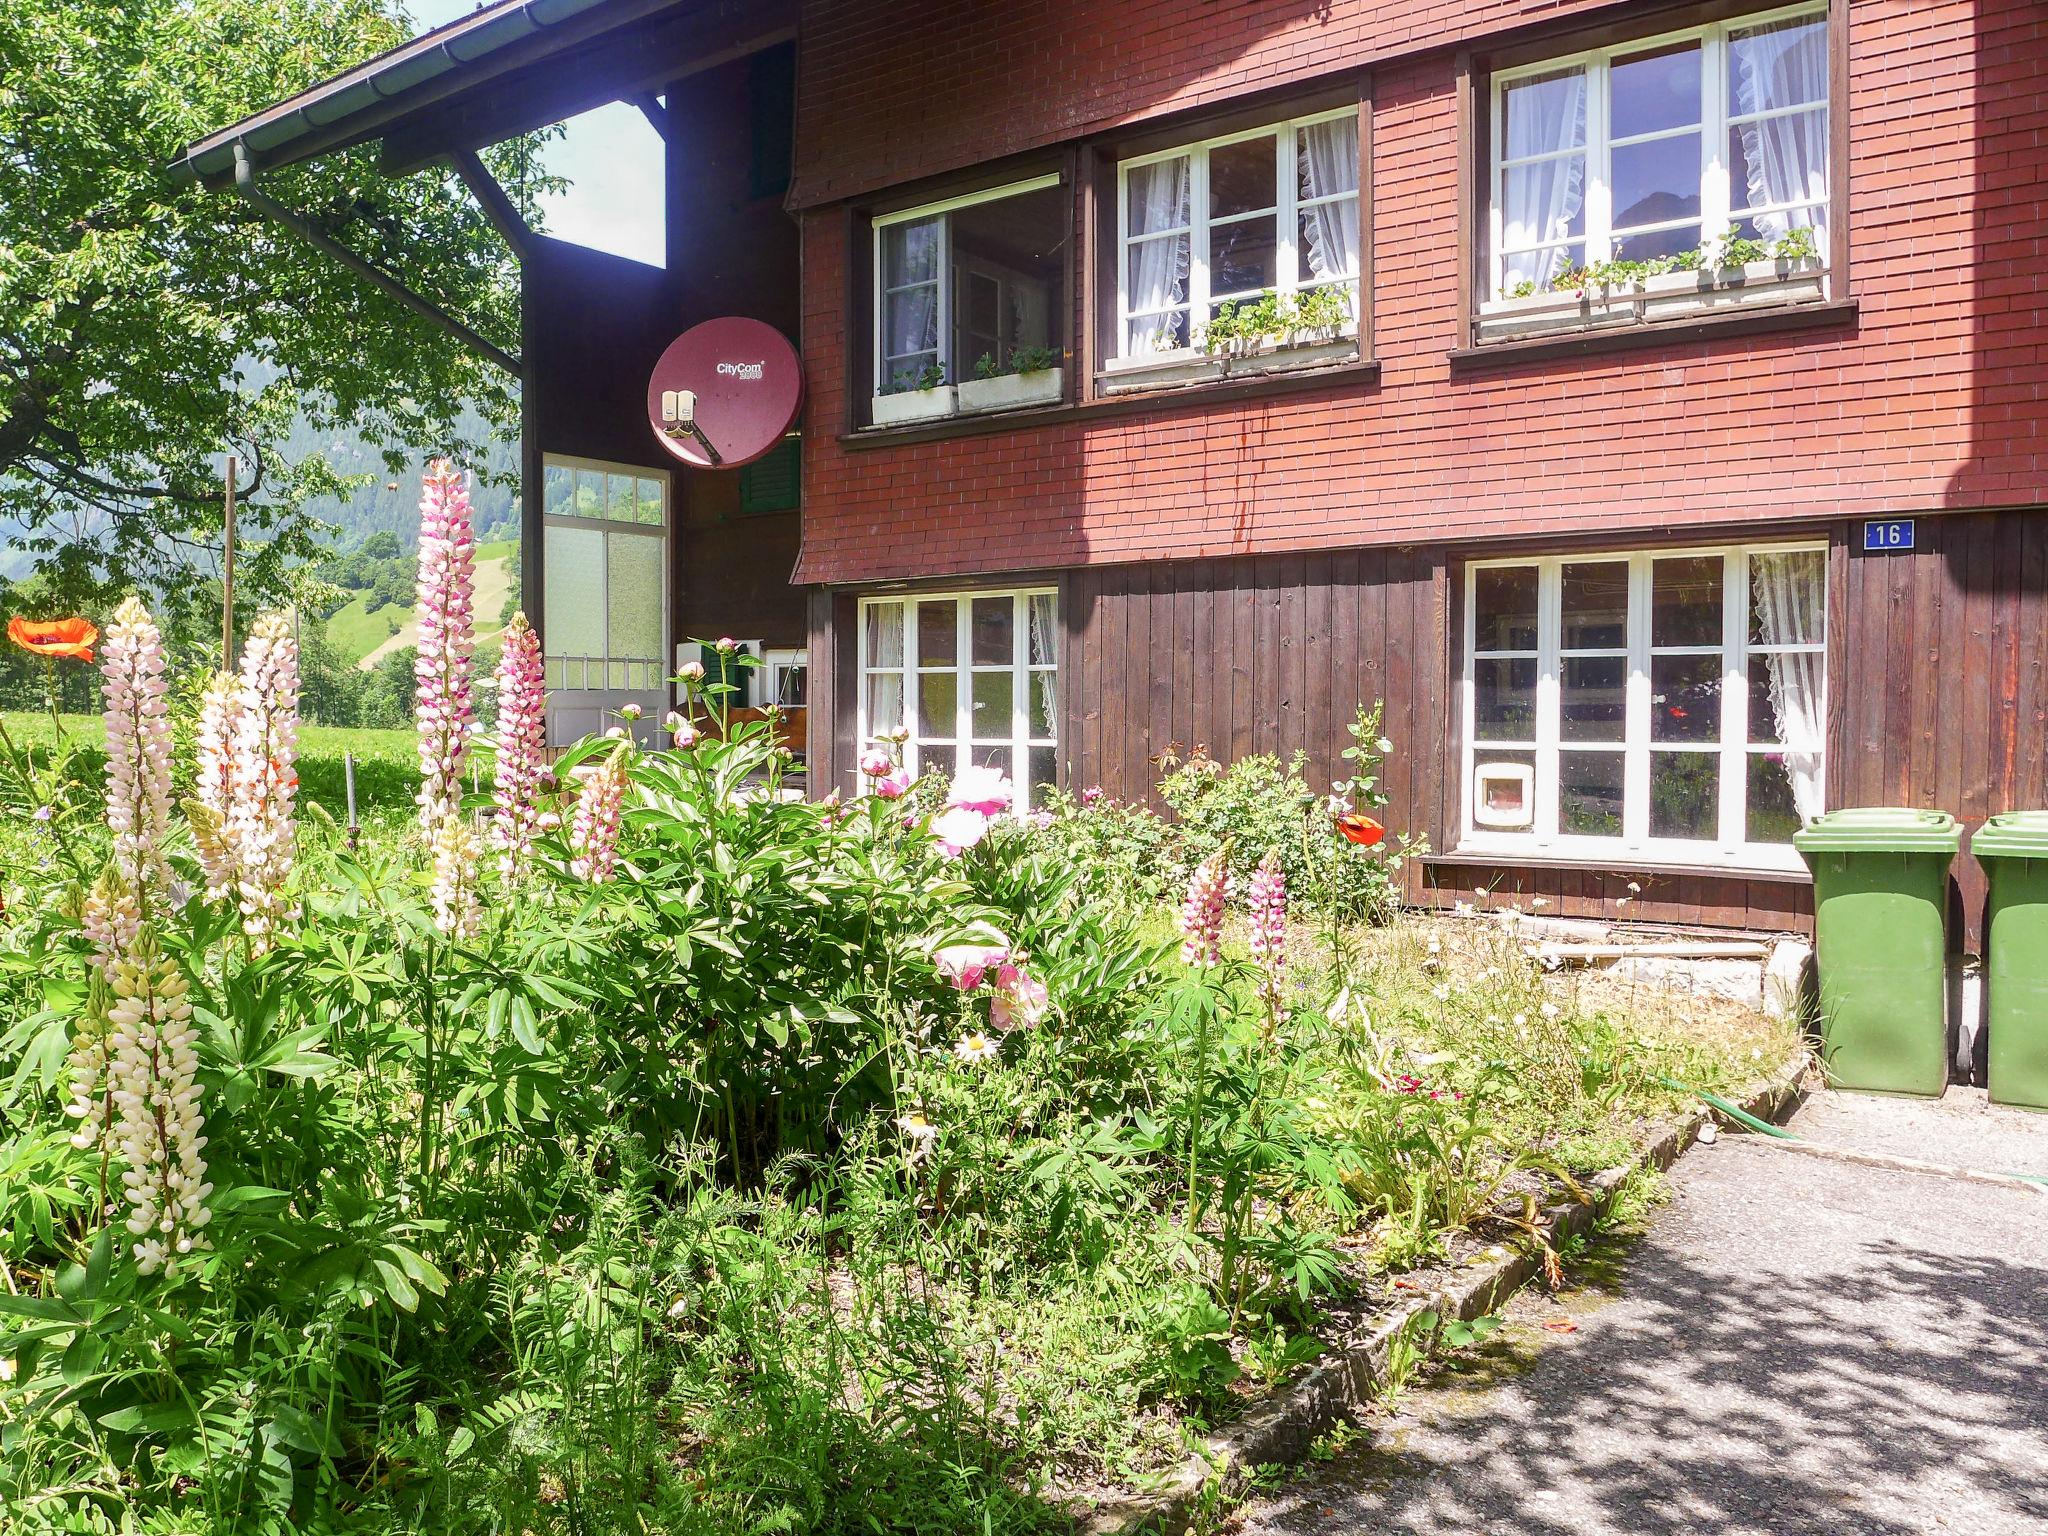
1795, 1346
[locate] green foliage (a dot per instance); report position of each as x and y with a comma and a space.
1241, 326
150, 327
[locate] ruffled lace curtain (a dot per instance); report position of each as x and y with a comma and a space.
1773, 68
1541, 200
910, 305
883, 655
1044, 651
1789, 594
1158, 200
1328, 163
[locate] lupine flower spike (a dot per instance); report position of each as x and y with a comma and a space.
1269, 920
1201, 914
220, 712
454, 895
522, 746
135, 698
260, 828
446, 594
594, 831
156, 1100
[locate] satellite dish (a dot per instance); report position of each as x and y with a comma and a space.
725, 392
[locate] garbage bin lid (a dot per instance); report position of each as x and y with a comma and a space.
1881, 829
2015, 835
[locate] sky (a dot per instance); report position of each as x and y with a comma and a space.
611, 157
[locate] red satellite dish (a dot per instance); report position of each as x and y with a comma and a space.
725, 392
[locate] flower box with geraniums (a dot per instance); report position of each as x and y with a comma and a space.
922, 396
1033, 377
1270, 333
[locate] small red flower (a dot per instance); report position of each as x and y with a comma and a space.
1360, 829
54, 637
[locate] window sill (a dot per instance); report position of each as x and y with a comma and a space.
1753, 320
1194, 370
1239, 384
1467, 856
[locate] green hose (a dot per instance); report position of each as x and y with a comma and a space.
1743, 1117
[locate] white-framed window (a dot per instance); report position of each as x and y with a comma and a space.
973, 676
1656, 147
784, 681
1268, 210
972, 276
1665, 705
604, 563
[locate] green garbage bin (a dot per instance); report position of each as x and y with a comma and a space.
1880, 906
2014, 852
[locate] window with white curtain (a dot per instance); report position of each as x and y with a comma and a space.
1654, 148
973, 277
972, 676
1271, 210
1669, 705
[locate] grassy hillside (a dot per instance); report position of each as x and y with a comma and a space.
364, 636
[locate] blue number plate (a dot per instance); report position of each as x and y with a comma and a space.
1889, 536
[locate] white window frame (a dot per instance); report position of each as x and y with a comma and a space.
919, 754
944, 258
1716, 204
1731, 849
557, 665
1287, 259
776, 663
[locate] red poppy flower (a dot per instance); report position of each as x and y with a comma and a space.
1360, 829
54, 637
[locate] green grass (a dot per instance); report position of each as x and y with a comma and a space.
354, 631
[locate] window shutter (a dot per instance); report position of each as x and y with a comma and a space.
774, 482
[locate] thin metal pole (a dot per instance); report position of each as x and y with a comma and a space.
348, 778
227, 580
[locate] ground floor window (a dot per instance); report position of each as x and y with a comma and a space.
972, 676
604, 563
1669, 705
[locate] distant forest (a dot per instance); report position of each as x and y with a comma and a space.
391, 505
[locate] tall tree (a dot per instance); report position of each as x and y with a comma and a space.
147, 328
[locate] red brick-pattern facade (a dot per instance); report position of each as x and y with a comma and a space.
1928, 399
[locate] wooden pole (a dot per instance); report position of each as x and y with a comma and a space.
227, 580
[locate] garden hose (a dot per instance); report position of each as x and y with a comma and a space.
1744, 1118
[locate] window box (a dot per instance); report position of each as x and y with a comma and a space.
1010, 391
1666, 296
1123, 376
908, 405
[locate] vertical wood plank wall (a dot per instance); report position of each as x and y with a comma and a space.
1937, 694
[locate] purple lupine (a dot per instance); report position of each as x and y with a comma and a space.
522, 764
446, 597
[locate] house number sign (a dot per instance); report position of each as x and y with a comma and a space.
1889, 536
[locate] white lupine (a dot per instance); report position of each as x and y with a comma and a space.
219, 720
265, 779
87, 1069
456, 912
158, 1128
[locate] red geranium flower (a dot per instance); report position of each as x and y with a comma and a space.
1360, 829
54, 637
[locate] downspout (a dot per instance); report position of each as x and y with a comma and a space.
384, 282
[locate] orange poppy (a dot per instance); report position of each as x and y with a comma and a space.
54, 637
1360, 829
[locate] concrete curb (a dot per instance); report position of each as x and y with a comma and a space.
1281, 1429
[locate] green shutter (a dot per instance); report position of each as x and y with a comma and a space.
774, 482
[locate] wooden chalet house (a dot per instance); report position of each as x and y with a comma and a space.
1643, 400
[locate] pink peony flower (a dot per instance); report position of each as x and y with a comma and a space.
1020, 1000
976, 788
967, 965
683, 735
725, 645
894, 785
876, 763
691, 671
958, 830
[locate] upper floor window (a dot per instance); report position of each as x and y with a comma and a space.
1679, 157
970, 299
1239, 242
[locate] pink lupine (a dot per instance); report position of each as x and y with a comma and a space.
446, 595
522, 746
594, 830
135, 697
219, 721
1201, 914
158, 1126
260, 829
1268, 898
